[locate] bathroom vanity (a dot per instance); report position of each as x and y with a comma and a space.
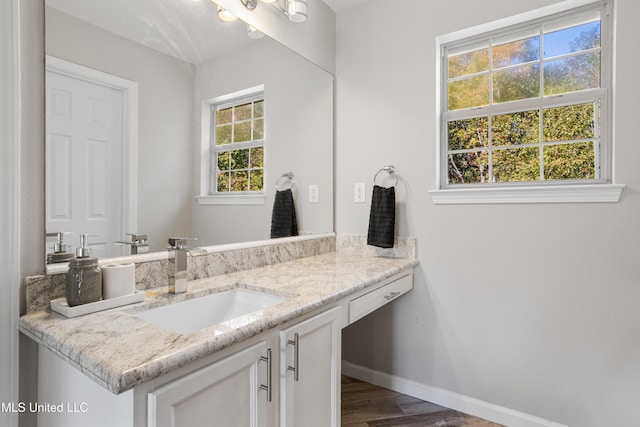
277, 365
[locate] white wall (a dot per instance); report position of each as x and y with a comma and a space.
9, 214
299, 138
165, 122
531, 307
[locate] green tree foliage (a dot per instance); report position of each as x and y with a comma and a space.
577, 72
468, 63
516, 164
470, 166
507, 147
569, 161
514, 130
242, 169
470, 92
521, 82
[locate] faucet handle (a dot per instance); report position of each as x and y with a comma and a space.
137, 239
180, 242
138, 236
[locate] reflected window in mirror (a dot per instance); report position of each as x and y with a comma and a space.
238, 146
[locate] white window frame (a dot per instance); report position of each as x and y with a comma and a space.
207, 164
603, 190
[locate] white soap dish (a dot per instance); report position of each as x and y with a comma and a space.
60, 305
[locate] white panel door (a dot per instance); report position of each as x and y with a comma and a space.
84, 145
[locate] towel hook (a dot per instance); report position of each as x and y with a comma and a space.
390, 169
288, 176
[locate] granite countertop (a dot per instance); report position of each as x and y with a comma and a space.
119, 350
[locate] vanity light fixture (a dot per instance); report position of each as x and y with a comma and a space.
250, 4
296, 10
226, 16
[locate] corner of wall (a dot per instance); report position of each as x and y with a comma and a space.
31, 136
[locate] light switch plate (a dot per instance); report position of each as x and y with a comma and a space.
313, 193
358, 192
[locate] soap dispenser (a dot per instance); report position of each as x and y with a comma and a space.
84, 278
59, 253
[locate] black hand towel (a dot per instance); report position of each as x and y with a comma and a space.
382, 220
283, 218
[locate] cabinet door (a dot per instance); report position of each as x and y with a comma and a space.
225, 393
310, 372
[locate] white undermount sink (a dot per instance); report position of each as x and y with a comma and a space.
229, 309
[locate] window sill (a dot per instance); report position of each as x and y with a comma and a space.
589, 193
231, 200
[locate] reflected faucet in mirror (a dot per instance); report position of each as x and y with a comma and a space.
139, 243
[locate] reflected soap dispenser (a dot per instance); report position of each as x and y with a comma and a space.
84, 278
59, 253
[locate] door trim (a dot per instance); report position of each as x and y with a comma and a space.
129, 91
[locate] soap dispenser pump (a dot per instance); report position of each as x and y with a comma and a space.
60, 249
84, 278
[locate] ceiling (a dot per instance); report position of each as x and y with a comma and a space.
338, 5
185, 29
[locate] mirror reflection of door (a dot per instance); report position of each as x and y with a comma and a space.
84, 161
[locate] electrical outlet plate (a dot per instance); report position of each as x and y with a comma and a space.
358, 192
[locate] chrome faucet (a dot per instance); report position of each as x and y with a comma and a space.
178, 282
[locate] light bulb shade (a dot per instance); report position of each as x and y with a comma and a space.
297, 10
226, 16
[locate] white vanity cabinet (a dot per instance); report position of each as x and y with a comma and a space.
231, 392
240, 390
310, 372
286, 376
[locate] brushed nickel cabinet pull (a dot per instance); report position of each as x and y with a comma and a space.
391, 296
295, 367
267, 387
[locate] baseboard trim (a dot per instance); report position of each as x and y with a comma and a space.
449, 399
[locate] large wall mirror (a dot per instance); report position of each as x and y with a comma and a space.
146, 73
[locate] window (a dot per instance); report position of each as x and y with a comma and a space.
526, 105
237, 151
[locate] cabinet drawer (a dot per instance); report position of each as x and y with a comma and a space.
361, 306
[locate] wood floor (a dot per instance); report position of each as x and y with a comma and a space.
367, 405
